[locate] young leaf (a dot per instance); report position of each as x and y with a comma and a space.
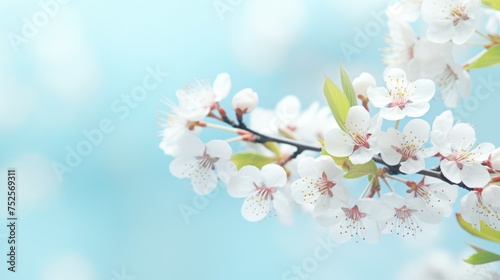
273, 147
483, 257
489, 57
492, 4
347, 86
249, 158
339, 105
486, 232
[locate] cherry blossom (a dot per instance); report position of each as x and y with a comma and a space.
441, 129
401, 42
201, 162
493, 21
320, 180
401, 98
198, 99
359, 140
406, 148
405, 10
349, 218
437, 195
450, 19
402, 215
461, 162
482, 205
262, 191
454, 83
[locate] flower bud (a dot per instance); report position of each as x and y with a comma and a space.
245, 101
362, 83
495, 159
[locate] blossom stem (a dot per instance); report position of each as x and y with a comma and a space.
482, 34
234, 139
397, 124
220, 127
395, 178
365, 191
387, 183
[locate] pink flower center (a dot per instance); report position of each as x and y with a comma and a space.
361, 141
353, 213
264, 192
325, 186
407, 152
205, 161
458, 14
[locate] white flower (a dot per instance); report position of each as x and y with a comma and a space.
482, 205
406, 148
461, 162
262, 191
320, 180
198, 99
437, 195
478, 272
245, 100
454, 83
362, 83
402, 215
348, 219
402, 98
201, 162
441, 129
494, 159
405, 10
360, 138
450, 19
401, 41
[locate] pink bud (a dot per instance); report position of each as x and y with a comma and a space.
245, 100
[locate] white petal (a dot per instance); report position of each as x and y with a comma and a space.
475, 175
416, 110
282, 208
204, 180
379, 97
451, 171
463, 31
440, 31
423, 90
307, 167
240, 186
387, 141
305, 190
491, 196
357, 120
338, 143
417, 132
392, 114
222, 86
327, 165
412, 166
467, 208
219, 149
370, 232
190, 145
255, 207
288, 108
482, 152
273, 175
182, 167
395, 80
462, 136
361, 155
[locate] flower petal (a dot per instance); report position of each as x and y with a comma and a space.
338, 143
379, 97
204, 181
357, 120
475, 175
222, 86
219, 149
423, 90
462, 137
307, 168
451, 171
361, 155
412, 166
395, 80
183, 167
440, 31
255, 207
273, 175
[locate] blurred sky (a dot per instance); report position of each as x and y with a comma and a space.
116, 212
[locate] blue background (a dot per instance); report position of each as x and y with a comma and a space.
118, 210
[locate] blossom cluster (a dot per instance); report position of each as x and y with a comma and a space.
449, 26
306, 157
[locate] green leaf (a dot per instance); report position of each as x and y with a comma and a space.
489, 57
347, 86
486, 232
339, 105
482, 257
492, 4
273, 147
249, 158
